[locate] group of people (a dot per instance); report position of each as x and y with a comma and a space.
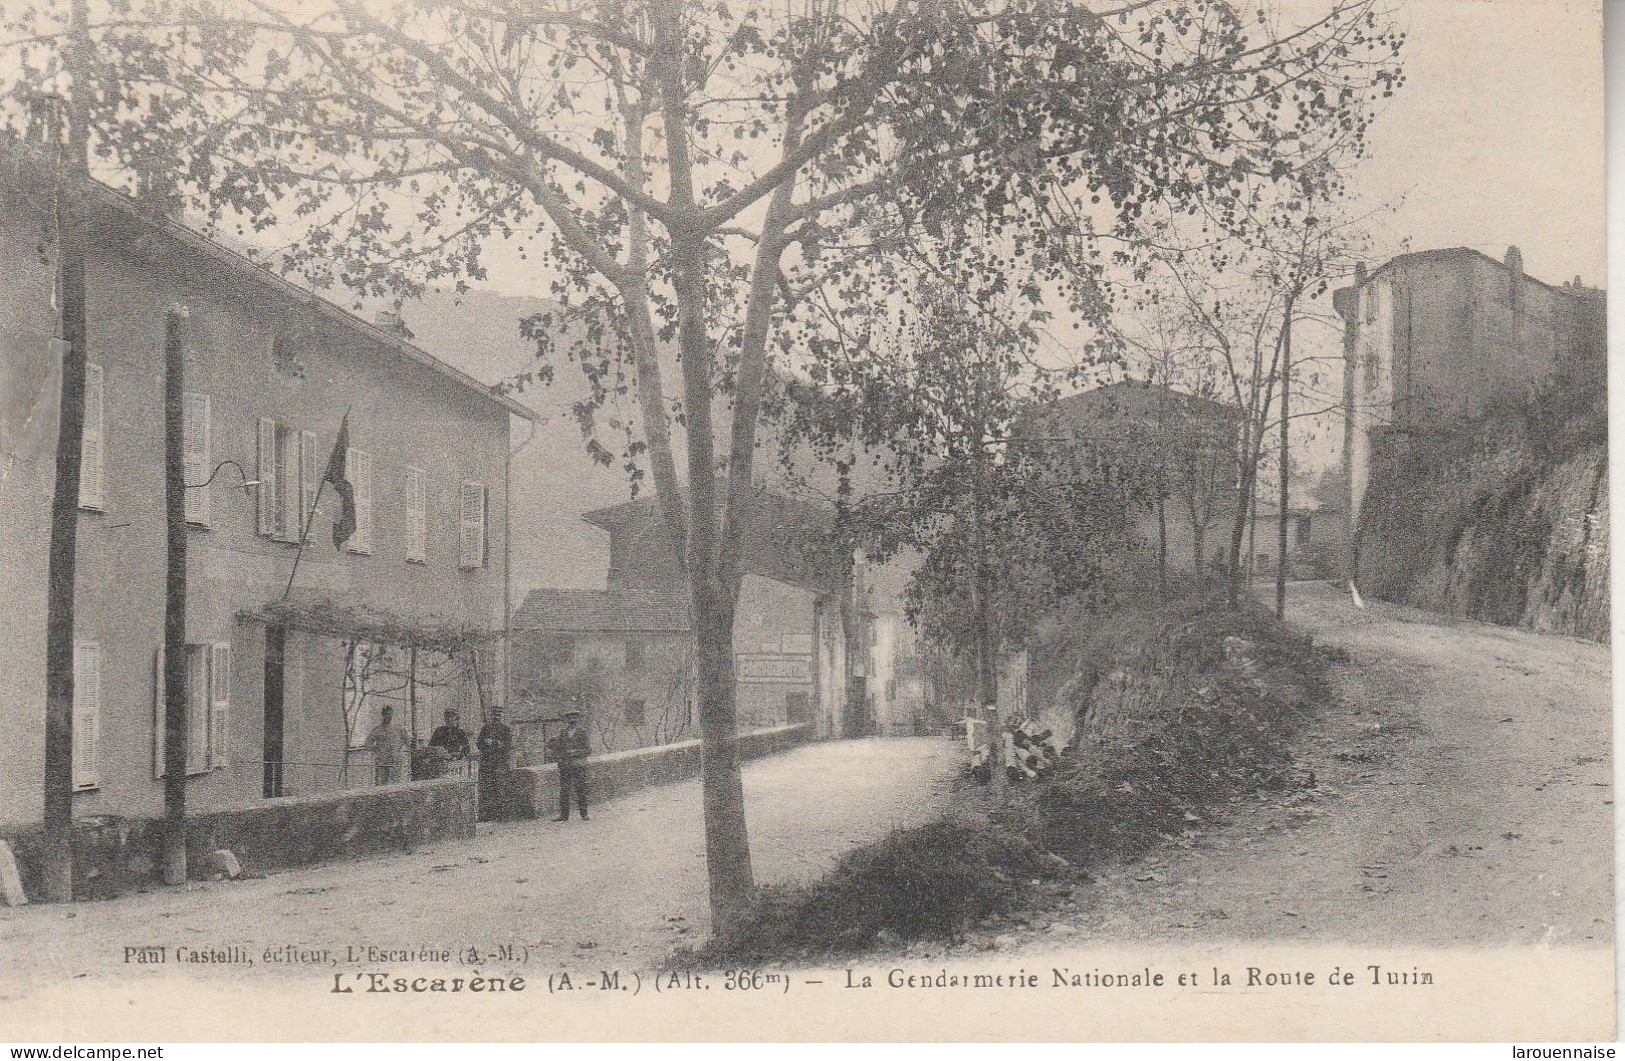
1030, 752
392, 751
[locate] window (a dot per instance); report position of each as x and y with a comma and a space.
472, 522
270, 493
634, 655
198, 688
288, 480
1302, 531
635, 712
358, 469
309, 479
196, 456
417, 517
208, 709
92, 449
87, 714
273, 477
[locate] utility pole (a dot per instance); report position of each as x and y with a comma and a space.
175, 722
1286, 393
72, 170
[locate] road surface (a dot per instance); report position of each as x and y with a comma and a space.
622, 889
1463, 797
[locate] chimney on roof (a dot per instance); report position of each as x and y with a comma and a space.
389, 320
1514, 263
157, 192
45, 121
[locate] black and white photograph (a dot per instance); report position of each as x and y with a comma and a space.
804, 520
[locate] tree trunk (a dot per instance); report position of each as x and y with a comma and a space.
1252, 529
987, 679
1286, 393
1238, 527
713, 593
727, 838
1162, 548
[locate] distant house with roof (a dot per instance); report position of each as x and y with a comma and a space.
624, 654
1188, 440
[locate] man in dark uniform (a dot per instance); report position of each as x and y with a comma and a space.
451, 737
496, 766
570, 751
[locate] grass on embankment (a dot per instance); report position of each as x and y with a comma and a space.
1181, 708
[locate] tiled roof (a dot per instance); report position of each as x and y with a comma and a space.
19, 154
786, 539
618, 610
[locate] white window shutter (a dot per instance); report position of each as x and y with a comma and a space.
359, 471
471, 524
195, 445
417, 516
288, 487
465, 527
92, 453
219, 704
267, 476
158, 713
308, 482
87, 713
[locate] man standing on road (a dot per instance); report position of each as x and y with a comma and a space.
496, 767
570, 751
388, 743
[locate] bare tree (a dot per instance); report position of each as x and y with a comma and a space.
712, 184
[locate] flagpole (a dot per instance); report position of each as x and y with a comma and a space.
304, 534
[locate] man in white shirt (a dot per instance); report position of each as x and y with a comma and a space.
390, 745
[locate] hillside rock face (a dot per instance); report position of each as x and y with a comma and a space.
1490, 521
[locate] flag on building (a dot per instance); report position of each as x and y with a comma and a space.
344, 526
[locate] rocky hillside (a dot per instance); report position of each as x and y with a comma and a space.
1504, 520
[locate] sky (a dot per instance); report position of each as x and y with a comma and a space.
1495, 138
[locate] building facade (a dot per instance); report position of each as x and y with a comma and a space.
1187, 441
1433, 338
285, 673
624, 654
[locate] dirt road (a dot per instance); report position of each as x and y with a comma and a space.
623, 889
1463, 798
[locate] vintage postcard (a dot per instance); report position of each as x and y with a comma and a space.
991, 520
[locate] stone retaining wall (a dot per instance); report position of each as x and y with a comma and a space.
114, 855
536, 788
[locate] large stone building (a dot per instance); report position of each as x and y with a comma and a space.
624, 653
283, 683
1433, 338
